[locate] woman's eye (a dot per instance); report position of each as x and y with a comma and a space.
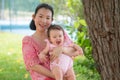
48, 18
40, 16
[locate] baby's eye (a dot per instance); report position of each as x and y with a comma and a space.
54, 37
60, 35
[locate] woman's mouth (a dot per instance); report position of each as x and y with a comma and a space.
41, 26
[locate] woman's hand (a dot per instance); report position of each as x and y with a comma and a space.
78, 48
55, 52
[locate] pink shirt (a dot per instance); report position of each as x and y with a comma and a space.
30, 50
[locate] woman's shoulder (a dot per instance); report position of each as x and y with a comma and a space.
27, 39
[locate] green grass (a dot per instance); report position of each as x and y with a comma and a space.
11, 61
12, 66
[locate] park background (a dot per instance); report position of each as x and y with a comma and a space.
15, 16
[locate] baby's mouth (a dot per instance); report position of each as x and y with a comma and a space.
58, 42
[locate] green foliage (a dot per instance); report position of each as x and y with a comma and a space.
80, 28
58, 5
75, 8
84, 69
84, 41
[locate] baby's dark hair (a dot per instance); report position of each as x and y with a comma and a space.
54, 27
42, 5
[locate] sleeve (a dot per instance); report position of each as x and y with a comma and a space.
67, 39
29, 53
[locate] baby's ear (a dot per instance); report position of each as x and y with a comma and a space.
49, 40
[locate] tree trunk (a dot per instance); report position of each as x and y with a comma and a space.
103, 20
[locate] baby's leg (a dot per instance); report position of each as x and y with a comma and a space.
70, 74
57, 71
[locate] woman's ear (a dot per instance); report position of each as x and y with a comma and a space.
33, 16
52, 19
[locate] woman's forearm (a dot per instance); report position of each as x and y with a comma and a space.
71, 51
42, 70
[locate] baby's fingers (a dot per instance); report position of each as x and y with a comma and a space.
52, 57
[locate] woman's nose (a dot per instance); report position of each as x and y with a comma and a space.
44, 21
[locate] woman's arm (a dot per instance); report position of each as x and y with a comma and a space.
73, 50
78, 49
42, 70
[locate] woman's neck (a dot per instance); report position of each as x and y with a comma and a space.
40, 35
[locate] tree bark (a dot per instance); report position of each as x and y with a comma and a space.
103, 20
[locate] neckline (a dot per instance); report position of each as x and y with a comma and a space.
35, 42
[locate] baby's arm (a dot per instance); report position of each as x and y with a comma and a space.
43, 54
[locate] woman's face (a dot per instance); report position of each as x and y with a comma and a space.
43, 19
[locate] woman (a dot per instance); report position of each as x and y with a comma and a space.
34, 44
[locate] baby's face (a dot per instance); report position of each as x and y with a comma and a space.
56, 37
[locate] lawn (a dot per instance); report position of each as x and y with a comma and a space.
12, 66
11, 61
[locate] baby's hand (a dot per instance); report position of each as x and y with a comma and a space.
42, 57
55, 53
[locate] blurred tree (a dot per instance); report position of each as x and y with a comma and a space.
75, 9
2, 9
103, 19
11, 8
58, 5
